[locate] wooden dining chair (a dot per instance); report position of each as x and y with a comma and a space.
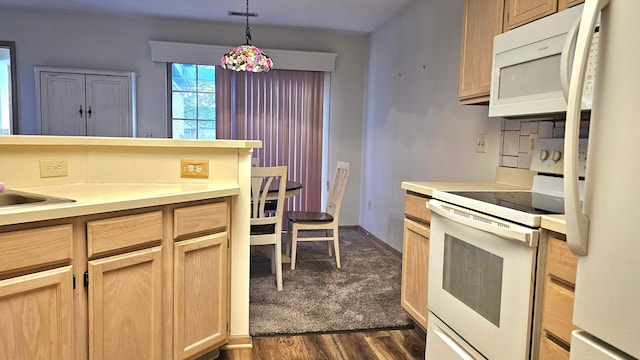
319, 226
266, 225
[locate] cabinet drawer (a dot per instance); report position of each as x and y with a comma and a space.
24, 249
415, 207
200, 219
549, 350
561, 262
109, 235
558, 311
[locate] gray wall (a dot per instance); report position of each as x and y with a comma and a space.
414, 128
121, 43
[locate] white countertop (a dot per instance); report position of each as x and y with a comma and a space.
91, 198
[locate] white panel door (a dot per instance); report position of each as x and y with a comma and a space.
108, 102
62, 106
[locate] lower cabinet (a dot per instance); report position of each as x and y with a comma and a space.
125, 306
557, 308
200, 290
415, 258
36, 292
36, 315
200, 279
156, 284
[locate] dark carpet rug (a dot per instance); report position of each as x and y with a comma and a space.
317, 297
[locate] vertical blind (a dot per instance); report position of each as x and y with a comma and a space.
284, 109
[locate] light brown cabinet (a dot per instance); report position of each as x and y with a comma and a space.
125, 303
201, 279
481, 21
137, 284
557, 308
521, 12
36, 289
415, 258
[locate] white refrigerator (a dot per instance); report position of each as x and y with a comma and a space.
605, 229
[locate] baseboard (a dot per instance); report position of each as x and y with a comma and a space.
238, 342
375, 238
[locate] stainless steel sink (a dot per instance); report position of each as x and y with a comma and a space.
10, 198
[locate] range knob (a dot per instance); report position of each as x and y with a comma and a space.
543, 155
556, 155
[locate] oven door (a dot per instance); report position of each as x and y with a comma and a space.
481, 279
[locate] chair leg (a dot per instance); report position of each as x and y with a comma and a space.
326, 234
273, 259
336, 247
294, 246
278, 262
288, 245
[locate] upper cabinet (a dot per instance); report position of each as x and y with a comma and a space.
520, 12
482, 20
85, 102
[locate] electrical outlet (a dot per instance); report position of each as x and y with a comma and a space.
481, 143
53, 168
197, 169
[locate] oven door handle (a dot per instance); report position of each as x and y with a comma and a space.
485, 222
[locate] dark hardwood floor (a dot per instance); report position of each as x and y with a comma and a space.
366, 345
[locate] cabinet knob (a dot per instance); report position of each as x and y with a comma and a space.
80, 111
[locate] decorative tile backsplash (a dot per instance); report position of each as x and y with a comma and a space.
518, 137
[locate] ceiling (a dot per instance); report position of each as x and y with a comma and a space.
349, 15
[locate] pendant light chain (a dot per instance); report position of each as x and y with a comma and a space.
247, 33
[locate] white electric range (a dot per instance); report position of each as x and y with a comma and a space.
483, 260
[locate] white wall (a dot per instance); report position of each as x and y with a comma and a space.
414, 128
121, 43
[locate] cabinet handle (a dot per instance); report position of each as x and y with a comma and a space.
80, 111
89, 112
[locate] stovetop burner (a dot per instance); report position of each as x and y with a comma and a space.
526, 201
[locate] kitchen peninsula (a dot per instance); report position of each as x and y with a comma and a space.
150, 259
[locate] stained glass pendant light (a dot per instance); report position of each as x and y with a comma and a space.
247, 57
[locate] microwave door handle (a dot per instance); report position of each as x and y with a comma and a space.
577, 221
566, 58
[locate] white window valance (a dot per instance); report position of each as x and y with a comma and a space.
164, 51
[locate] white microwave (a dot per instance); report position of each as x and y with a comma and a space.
532, 65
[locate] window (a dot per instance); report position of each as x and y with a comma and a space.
193, 101
8, 89
282, 108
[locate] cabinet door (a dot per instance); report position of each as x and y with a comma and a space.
525, 11
482, 20
564, 4
62, 106
108, 100
415, 271
200, 295
125, 319
36, 315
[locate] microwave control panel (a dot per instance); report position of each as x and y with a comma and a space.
548, 156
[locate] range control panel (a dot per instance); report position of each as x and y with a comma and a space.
548, 156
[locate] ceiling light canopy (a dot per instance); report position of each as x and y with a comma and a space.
247, 57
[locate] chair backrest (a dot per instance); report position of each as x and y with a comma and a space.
337, 189
264, 179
